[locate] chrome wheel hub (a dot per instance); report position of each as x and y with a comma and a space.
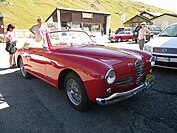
73, 92
22, 68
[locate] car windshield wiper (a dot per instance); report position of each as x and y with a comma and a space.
165, 35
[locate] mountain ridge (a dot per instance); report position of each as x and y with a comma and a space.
23, 13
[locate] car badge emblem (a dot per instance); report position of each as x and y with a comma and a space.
130, 64
164, 50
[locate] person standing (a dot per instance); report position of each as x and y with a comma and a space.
39, 31
102, 31
9, 41
142, 34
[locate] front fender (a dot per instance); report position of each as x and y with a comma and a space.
91, 71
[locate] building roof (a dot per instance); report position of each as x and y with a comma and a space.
146, 18
77, 10
143, 17
172, 15
154, 14
1, 16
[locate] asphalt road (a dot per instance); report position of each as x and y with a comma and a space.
33, 106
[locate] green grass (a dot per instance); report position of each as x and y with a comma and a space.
23, 13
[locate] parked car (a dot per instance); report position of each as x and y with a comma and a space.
164, 47
121, 36
88, 72
123, 29
154, 31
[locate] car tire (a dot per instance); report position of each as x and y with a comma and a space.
136, 40
24, 73
76, 92
119, 39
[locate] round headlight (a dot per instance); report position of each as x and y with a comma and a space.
148, 48
110, 76
152, 61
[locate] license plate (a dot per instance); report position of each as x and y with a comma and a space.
112, 39
149, 78
163, 59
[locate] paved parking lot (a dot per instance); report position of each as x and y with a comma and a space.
34, 106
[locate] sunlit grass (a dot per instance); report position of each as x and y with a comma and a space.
23, 13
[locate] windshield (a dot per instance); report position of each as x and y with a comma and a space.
121, 32
154, 28
69, 38
170, 31
137, 28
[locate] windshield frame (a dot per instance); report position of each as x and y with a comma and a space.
172, 29
69, 42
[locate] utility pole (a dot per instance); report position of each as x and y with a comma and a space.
123, 7
123, 14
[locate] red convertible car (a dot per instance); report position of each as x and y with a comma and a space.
88, 72
121, 36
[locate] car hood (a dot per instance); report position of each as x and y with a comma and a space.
167, 42
114, 35
99, 52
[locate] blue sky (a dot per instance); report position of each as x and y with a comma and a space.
165, 4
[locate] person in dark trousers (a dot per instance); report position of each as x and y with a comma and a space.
109, 31
9, 40
102, 31
142, 34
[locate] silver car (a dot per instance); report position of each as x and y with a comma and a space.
164, 47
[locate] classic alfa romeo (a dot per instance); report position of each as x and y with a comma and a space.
87, 71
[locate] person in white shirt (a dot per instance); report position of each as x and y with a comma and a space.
39, 30
142, 34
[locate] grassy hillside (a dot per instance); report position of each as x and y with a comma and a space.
23, 13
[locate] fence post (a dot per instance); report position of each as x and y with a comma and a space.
21, 33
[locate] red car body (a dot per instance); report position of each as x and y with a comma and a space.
100, 72
121, 36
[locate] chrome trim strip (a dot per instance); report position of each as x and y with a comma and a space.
166, 67
161, 54
116, 97
138, 69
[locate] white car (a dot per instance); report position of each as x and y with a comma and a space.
164, 47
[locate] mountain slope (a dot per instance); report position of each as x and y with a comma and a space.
23, 13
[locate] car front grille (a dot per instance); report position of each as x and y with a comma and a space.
139, 70
166, 64
124, 81
165, 50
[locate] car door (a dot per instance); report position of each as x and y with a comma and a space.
26, 59
122, 35
53, 66
128, 35
44, 64
37, 61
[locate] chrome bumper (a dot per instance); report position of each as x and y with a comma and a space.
116, 97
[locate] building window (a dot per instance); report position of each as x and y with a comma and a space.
76, 26
87, 27
65, 25
92, 27
96, 28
